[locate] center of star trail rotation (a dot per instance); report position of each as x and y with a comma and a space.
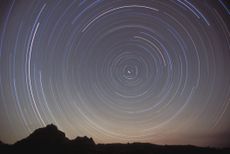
118, 71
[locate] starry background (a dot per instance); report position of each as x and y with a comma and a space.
153, 71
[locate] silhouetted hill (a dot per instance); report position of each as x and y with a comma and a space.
83, 142
50, 140
48, 135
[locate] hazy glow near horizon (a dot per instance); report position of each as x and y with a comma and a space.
118, 71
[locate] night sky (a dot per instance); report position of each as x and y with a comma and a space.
153, 71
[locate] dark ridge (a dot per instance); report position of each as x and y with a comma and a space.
49, 135
83, 141
50, 140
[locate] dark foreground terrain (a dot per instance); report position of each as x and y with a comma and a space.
49, 140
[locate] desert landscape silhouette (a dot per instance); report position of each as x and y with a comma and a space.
50, 140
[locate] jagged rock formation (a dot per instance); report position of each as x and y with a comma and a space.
50, 140
49, 135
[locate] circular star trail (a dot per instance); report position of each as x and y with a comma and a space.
118, 71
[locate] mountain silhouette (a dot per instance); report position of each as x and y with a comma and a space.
50, 140
83, 141
49, 135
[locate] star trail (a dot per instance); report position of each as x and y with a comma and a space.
153, 71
